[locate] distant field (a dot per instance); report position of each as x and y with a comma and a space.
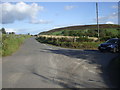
10, 43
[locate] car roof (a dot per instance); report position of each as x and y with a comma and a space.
113, 39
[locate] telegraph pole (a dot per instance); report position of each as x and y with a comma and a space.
97, 20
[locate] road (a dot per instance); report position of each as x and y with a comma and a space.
37, 65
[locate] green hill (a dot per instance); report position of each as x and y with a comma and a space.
89, 30
83, 32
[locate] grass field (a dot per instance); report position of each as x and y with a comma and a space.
10, 43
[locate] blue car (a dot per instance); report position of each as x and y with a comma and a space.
112, 45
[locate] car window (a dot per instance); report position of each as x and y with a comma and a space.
111, 41
119, 41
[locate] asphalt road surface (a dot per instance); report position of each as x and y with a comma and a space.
37, 65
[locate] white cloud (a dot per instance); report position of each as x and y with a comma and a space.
10, 30
109, 22
69, 7
111, 17
19, 11
35, 21
67, 25
115, 7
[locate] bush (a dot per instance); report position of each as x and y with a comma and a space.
83, 39
105, 38
82, 43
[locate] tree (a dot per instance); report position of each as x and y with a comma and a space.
12, 32
3, 31
28, 33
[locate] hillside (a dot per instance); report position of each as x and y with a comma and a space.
82, 28
83, 37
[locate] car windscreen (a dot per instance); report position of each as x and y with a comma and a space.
111, 41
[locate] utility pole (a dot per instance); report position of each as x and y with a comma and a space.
97, 20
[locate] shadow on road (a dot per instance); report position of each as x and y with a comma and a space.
59, 82
92, 56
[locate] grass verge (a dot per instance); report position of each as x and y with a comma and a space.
10, 43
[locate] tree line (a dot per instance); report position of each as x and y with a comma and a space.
3, 31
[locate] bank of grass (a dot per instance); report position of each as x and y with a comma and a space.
10, 43
80, 43
114, 71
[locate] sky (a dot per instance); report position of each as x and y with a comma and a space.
35, 17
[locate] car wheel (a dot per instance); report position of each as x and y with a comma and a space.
119, 50
114, 50
101, 50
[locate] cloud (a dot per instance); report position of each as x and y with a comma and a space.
111, 17
69, 7
10, 30
115, 7
19, 11
109, 22
66, 25
35, 21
